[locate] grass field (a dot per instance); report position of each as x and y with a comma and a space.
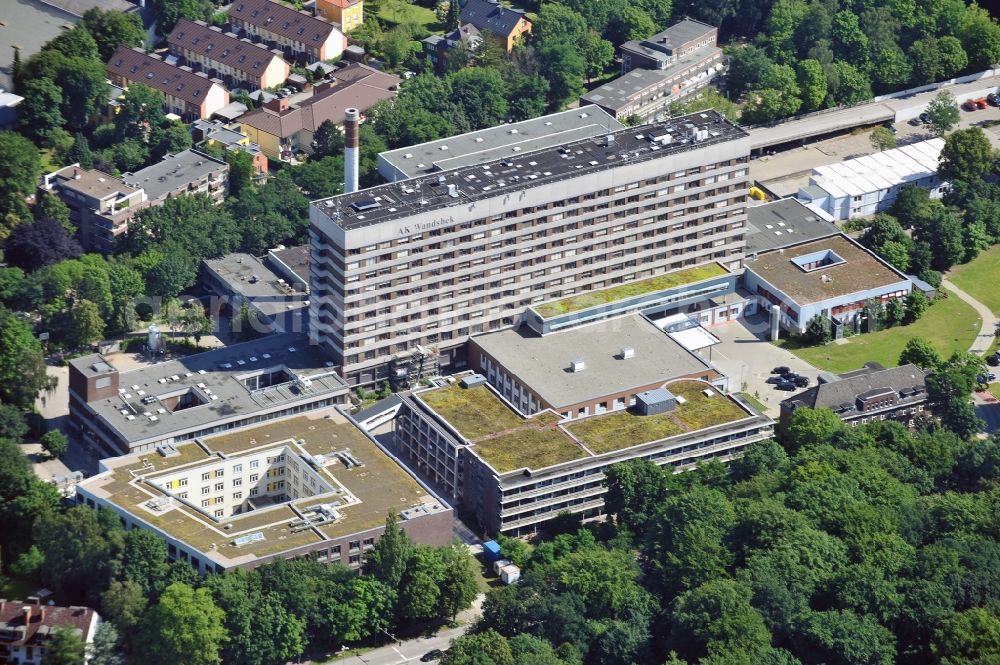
950, 325
977, 278
399, 12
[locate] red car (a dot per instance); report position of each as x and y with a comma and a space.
970, 105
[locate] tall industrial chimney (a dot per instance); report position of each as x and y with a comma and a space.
352, 119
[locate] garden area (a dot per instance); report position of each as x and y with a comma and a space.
949, 324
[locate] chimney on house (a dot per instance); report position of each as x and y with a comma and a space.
352, 120
277, 104
27, 614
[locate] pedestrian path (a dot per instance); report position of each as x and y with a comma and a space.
984, 339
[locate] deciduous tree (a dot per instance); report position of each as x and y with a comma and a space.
185, 626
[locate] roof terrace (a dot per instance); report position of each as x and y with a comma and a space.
362, 493
589, 299
508, 441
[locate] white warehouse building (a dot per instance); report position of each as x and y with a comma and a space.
866, 185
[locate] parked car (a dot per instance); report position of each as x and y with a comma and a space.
993, 99
433, 654
789, 376
986, 378
992, 360
981, 103
774, 379
801, 381
781, 369
925, 118
785, 385
970, 105
891, 127
915, 122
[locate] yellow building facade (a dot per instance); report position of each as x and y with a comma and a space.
348, 13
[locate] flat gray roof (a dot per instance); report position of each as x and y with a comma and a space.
28, 24
173, 172
486, 145
623, 90
368, 207
542, 363
782, 223
246, 275
213, 373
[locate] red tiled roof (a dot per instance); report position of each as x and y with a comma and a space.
285, 21
242, 55
30, 624
136, 66
359, 86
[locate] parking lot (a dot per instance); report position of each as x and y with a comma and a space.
747, 358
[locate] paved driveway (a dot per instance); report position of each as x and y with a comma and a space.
747, 358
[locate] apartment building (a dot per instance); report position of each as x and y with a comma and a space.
100, 205
299, 36
661, 70
510, 474
423, 264
665, 48
187, 172
238, 62
191, 95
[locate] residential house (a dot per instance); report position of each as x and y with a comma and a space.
238, 62
282, 129
189, 94
216, 133
504, 23
869, 394
348, 13
27, 627
299, 35
436, 47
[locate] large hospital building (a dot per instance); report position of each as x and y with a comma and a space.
419, 266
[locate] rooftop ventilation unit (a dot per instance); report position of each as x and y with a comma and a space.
577, 365
628, 352
472, 381
453, 191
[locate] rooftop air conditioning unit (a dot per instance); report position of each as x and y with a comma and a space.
577, 365
628, 352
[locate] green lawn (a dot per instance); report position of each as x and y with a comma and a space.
400, 12
950, 325
977, 278
475, 412
623, 429
531, 447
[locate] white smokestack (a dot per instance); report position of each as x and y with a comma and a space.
352, 119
